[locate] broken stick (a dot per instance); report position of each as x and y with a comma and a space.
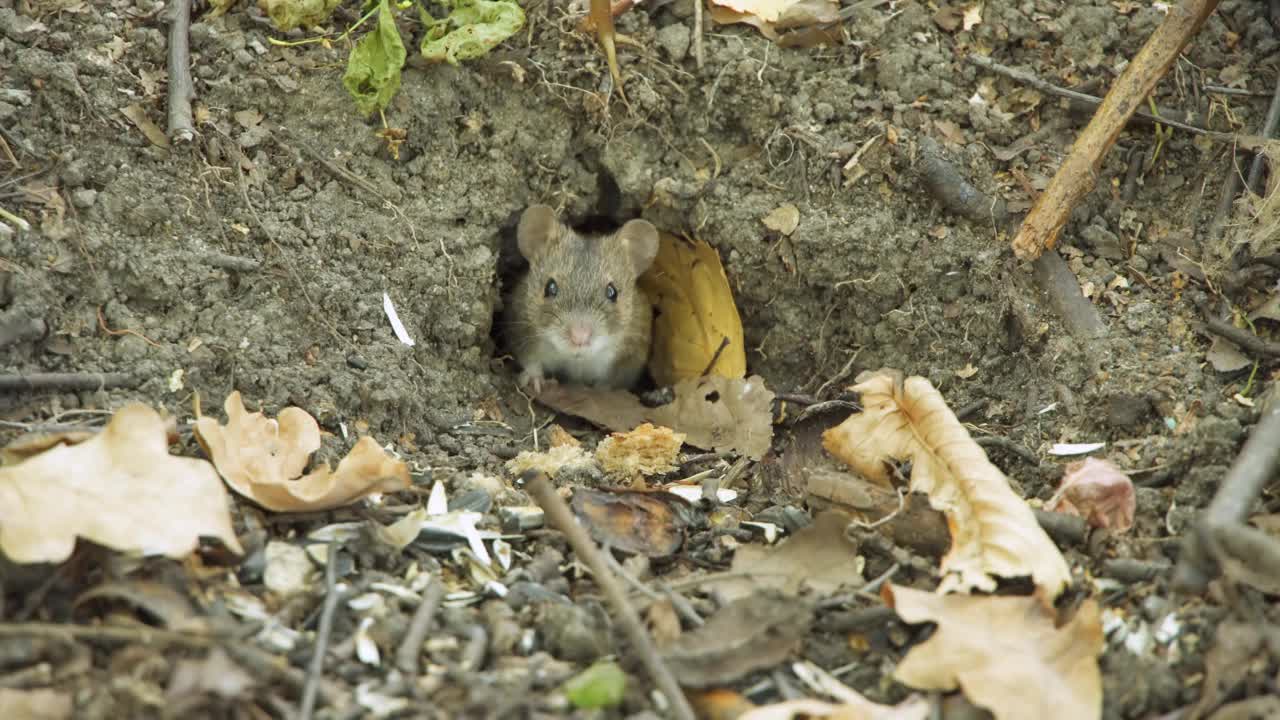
1078, 173
181, 89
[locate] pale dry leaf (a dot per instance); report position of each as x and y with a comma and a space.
26, 446
913, 708
121, 489
784, 219
646, 450
697, 329
994, 532
262, 459
713, 412
1005, 653
819, 558
721, 15
1097, 491
972, 16
37, 704
766, 10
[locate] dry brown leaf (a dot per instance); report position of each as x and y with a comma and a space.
38, 704
262, 459
993, 531
652, 524
120, 488
752, 632
1005, 653
714, 413
1097, 491
913, 708
697, 321
784, 219
35, 443
138, 116
818, 558
724, 16
647, 450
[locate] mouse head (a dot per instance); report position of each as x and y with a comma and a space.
582, 290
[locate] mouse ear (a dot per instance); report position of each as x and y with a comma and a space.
640, 238
538, 227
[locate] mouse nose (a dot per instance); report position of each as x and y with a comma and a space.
579, 335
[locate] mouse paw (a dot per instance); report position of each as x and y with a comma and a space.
532, 379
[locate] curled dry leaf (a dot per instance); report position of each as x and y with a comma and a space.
262, 459
1006, 653
714, 413
652, 524
697, 330
647, 450
993, 531
913, 708
1097, 491
772, 16
121, 489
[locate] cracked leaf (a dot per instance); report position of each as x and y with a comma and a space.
993, 531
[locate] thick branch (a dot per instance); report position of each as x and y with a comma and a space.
1078, 173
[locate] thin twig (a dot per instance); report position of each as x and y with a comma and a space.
699, 56
65, 382
1005, 443
102, 322
322, 634
1253, 469
1029, 78
181, 89
1269, 127
410, 650
1243, 338
559, 516
233, 263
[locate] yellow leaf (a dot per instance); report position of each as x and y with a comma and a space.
993, 531
697, 317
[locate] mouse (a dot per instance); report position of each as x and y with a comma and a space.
578, 315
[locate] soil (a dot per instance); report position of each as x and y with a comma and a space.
122, 264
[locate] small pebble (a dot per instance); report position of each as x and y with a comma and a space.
84, 198
674, 39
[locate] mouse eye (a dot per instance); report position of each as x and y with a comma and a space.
611, 292
551, 290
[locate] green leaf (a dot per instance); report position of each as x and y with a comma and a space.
472, 28
600, 685
373, 70
289, 14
